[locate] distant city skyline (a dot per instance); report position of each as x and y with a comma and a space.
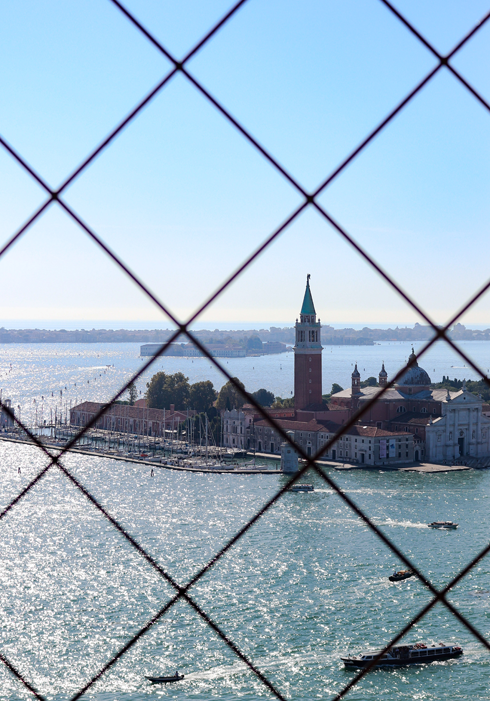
50, 324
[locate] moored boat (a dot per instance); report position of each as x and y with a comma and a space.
449, 525
401, 574
402, 655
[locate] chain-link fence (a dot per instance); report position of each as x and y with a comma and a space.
54, 198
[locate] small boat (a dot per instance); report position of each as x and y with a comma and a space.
302, 488
449, 525
401, 574
166, 680
403, 655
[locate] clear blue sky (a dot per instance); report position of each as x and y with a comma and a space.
183, 197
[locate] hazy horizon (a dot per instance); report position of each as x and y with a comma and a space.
88, 325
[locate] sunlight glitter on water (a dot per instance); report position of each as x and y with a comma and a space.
60, 375
305, 585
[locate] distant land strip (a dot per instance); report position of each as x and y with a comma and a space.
247, 338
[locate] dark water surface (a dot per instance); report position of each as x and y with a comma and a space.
305, 585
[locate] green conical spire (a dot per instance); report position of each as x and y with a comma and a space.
308, 306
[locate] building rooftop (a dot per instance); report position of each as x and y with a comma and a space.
392, 394
412, 417
330, 427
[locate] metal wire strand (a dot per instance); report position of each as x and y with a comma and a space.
308, 200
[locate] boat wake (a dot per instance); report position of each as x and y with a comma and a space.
402, 524
289, 661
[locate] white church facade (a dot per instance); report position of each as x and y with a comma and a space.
463, 430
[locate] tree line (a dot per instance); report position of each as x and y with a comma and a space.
478, 387
165, 389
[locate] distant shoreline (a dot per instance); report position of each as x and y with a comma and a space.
329, 335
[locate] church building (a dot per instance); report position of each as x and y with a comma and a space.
410, 422
312, 421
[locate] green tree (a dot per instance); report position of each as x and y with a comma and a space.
202, 396
132, 394
280, 403
164, 390
335, 388
254, 343
263, 397
229, 397
370, 382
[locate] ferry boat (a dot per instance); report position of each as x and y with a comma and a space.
302, 488
402, 655
401, 574
450, 525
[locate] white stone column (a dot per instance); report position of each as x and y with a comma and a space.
470, 430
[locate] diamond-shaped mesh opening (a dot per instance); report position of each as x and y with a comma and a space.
377, 525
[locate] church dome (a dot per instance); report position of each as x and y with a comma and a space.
415, 375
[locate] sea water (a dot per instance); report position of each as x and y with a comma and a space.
42, 379
307, 583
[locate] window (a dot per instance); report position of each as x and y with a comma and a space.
399, 455
406, 455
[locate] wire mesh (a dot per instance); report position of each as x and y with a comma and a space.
54, 197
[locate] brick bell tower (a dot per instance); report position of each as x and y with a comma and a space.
307, 355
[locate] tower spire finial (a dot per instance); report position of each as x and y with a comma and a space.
308, 306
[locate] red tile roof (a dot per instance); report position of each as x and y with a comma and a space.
331, 427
